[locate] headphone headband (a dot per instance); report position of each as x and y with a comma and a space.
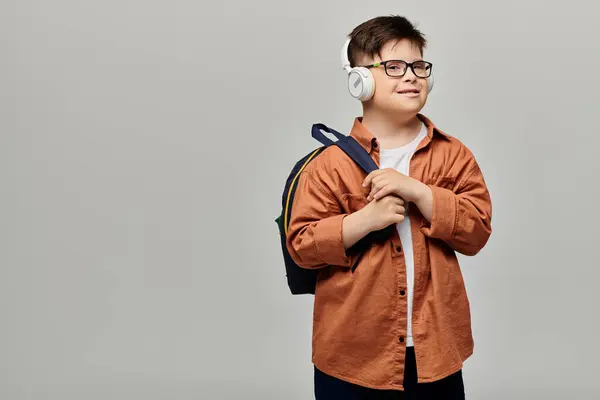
345, 59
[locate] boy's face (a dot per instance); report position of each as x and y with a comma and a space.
397, 94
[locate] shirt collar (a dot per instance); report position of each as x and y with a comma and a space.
369, 142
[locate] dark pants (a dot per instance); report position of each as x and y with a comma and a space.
449, 388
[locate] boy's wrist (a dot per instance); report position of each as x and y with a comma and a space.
424, 201
354, 228
423, 193
364, 219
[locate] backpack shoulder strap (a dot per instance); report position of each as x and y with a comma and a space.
348, 144
363, 159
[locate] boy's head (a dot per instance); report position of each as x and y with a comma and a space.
386, 46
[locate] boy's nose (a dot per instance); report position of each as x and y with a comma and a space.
409, 76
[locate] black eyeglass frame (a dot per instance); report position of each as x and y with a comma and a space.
428, 66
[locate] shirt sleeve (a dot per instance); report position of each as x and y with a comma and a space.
314, 237
462, 218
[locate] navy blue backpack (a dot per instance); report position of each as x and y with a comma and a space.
303, 280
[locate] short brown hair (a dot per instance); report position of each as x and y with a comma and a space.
369, 37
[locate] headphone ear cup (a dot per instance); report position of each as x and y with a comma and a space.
430, 82
361, 83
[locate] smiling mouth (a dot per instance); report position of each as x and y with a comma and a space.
411, 94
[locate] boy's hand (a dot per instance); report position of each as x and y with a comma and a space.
376, 215
381, 213
389, 181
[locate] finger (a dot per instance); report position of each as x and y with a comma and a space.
384, 191
374, 190
400, 201
379, 178
400, 210
370, 177
375, 187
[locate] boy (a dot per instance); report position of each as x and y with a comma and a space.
398, 325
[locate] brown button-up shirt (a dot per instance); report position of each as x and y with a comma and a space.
360, 316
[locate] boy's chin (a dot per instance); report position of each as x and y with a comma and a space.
412, 108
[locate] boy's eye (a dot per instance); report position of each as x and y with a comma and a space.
421, 66
395, 66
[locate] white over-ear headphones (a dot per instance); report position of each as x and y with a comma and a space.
361, 83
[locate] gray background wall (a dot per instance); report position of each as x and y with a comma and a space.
143, 150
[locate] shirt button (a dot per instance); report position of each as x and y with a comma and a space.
402, 293
401, 339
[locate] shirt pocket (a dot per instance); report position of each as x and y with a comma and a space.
443, 181
352, 202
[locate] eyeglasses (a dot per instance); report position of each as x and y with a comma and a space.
397, 68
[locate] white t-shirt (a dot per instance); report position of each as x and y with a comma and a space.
399, 159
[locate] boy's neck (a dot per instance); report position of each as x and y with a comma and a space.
391, 132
